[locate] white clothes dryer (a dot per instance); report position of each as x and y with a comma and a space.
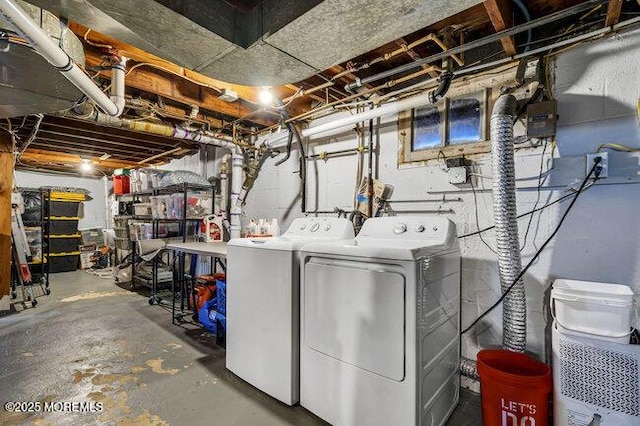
380, 327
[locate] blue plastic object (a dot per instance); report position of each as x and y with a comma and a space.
221, 296
204, 315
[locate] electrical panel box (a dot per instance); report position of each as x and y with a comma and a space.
457, 175
541, 119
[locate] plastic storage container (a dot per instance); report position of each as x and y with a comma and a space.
121, 185
122, 243
63, 262
514, 388
63, 227
92, 236
161, 206
63, 208
199, 205
142, 209
64, 244
599, 309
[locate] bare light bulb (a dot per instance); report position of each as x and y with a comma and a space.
86, 166
266, 97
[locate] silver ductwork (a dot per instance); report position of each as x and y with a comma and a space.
288, 41
469, 368
514, 314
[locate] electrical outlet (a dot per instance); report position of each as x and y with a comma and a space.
604, 163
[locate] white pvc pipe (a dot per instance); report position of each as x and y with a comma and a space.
235, 210
57, 57
336, 126
107, 202
117, 85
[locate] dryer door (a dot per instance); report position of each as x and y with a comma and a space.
355, 312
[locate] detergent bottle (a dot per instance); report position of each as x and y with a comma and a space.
211, 228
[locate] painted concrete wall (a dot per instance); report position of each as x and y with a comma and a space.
94, 210
597, 86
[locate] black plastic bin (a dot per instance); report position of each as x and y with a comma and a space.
62, 208
63, 226
64, 244
64, 262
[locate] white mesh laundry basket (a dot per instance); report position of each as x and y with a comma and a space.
595, 382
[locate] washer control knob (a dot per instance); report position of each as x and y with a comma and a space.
315, 227
400, 228
420, 228
327, 227
303, 226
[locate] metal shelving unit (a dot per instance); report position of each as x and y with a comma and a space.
43, 263
157, 295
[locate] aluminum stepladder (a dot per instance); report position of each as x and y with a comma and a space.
21, 257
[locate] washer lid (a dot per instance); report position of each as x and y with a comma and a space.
301, 232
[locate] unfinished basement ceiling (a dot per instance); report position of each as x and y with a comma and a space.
327, 34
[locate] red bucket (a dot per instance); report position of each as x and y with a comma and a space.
515, 389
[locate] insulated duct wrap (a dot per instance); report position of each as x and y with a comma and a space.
514, 317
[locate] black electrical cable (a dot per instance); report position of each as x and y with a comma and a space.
489, 228
595, 167
535, 206
475, 203
286, 157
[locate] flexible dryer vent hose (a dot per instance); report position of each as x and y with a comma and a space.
514, 317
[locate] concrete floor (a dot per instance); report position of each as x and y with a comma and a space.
90, 340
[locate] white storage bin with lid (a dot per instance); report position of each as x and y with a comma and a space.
600, 310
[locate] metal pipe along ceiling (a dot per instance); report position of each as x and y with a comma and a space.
475, 44
57, 57
276, 140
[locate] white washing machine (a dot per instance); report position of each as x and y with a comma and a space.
263, 305
380, 327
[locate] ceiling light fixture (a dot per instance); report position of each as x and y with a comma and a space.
266, 97
86, 166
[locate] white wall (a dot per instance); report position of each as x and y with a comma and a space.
94, 210
597, 88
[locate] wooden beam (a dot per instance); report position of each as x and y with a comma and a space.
45, 157
613, 12
414, 56
250, 93
154, 64
6, 186
501, 16
175, 88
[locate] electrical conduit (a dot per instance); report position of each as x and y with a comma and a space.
57, 57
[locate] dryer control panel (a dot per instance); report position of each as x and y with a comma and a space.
436, 230
321, 227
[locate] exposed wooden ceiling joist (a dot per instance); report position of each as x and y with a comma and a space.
414, 56
501, 16
613, 12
